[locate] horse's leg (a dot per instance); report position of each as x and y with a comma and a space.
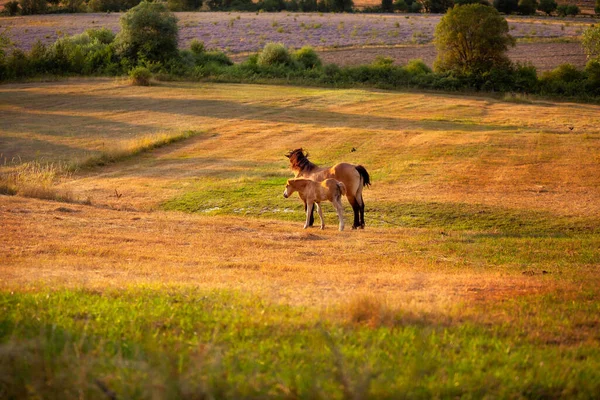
356, 210
312, 216
340, 212
320, 211
309, 210
361, 204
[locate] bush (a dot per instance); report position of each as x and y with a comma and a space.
592, 69
567, 9
506, 6
417, 67
387, 6
547, 6
591, 42
31, 7
148, 34
111, 5
274, 54
436, 6
472, 39
597, 7
307, 58
527, 7
565, 73
184, 5
12, 8
140, 76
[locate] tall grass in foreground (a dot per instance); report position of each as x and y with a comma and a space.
39, 180
177, 343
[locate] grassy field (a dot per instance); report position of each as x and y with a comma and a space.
177, 270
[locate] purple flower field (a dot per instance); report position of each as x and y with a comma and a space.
248, 32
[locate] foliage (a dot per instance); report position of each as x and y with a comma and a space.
31, 7
148, 34
184, 5
506, 6
564, 10
527, 7
417, 67
307, 57
597, 7
437, 6
472, 39
591, 42
410, 6
140, 76
387, 6
274, 54
547, 6
111, 5
12, 8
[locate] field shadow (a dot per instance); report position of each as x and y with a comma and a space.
224, 109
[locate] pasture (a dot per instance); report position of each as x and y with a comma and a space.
182, 272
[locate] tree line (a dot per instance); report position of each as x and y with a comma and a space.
524, 7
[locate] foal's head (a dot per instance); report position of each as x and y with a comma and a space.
289, 189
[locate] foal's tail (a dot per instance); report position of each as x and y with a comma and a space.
364, 175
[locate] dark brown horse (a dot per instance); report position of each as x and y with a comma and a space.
354, 177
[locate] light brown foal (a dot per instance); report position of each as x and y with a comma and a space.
312, 192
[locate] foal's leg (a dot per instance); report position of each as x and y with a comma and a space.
312, 216
309, 211
320, 211
340, 212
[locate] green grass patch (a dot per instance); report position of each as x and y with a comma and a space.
184, 343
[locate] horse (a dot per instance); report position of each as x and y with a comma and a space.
354, 177
312, 192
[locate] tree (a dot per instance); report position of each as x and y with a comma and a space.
148, 32
472, 39
591, 42
548, 6
527, 7
387, 6
597, 7
506, 6
437, 6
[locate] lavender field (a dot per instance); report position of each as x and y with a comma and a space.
237, 33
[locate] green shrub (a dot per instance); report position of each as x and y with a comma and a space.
591, 42
436, 6
597, 7
506, 6
564, 10
565, 73
197, 47
31, 7
102, 35
472, 39
307, 58
525, 78
592, 69
111, 5
12, 8
382, 61
148, 34
417, 67
387, 6
140, 76
274, 54
184, 5
527, 7
547, 6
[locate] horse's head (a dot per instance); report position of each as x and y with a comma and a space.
289, 189
299, 160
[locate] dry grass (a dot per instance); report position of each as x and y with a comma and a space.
418, 148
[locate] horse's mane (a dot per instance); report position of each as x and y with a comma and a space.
299, 161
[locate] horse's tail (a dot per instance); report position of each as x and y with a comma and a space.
342, 189
364, 175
